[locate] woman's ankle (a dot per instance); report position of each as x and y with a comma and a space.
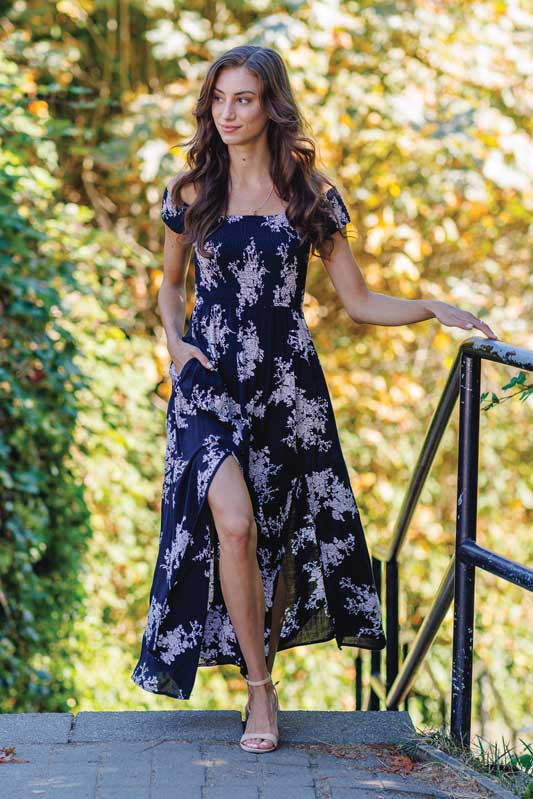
258, 678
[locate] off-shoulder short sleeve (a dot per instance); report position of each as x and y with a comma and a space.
172, 215
337, 211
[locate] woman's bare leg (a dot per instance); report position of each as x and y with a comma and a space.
242, 586
278, 610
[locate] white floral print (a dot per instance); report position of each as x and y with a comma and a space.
284, 293
300, 339
176, 641
174, 464
262, 473
210, 273
363, 601
308, 423
250, 353
214, 330
328, 492
156, 614
249, 272
173, 554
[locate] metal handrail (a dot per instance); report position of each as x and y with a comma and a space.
458, 581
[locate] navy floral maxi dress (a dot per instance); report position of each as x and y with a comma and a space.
267, 405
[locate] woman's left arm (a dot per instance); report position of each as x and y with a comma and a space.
370, 307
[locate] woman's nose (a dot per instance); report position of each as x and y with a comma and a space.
227, 112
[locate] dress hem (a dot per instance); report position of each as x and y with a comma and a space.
367, 644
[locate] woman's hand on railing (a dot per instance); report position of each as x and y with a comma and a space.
454, 317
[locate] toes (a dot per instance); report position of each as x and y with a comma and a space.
266, 744
258, 743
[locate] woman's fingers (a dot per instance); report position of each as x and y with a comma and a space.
466, 320
488, 330
204, 360
483, 326
188, 351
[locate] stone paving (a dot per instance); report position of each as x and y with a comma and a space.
195, 755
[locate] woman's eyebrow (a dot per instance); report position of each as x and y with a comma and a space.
244, 91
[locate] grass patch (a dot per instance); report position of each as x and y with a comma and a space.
511, 766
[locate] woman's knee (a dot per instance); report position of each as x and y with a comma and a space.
237, 530
231, 506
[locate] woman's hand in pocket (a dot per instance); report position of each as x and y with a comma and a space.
182, 351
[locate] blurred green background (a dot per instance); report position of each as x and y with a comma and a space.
421, 112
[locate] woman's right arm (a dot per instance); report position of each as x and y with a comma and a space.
172, 299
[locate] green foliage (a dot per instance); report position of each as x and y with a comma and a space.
44, 524
421, 113
525, 390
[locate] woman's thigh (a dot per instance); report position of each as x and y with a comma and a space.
230, 502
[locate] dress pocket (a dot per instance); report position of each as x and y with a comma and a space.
177, 376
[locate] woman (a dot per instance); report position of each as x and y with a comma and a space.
261, 544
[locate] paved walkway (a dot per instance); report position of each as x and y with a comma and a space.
195, 755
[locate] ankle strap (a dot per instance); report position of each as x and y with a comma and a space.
259, 682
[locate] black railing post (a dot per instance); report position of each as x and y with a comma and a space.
463, 628
391, 589
375, 658
358, 681
464, 381
405, 651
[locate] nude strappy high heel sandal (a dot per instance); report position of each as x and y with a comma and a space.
269, 735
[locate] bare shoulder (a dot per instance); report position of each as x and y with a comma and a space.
188, 192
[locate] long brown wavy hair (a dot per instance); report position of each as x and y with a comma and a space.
294, 175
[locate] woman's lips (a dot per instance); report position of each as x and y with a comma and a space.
229, 128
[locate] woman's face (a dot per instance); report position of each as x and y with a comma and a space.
236, 108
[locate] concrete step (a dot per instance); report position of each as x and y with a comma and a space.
195, 754
297, 726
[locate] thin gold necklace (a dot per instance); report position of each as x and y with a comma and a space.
254, 212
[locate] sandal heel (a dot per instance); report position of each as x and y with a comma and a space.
268, 735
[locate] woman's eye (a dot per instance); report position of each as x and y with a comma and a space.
246, 100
